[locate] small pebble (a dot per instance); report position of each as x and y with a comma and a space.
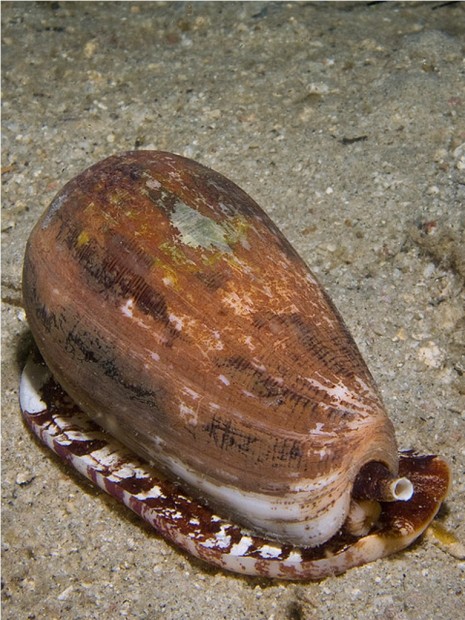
23, 478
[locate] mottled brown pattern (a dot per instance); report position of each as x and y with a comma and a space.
175, 312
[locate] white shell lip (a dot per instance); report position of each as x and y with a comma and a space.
287, 518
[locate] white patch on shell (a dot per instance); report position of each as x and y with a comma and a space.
105, 457
155, 356
127, 308
248, 394
294, 557
153, 184
168, 281
176, 321
242, 546
221, 540
342, 396
75, 435
188, 414
153, 493
122, 473
197, 230
224, 379
268, 551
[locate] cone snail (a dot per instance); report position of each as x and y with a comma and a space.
195, 369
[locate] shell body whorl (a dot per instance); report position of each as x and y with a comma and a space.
174, 312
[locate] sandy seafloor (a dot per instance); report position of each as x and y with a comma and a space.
346, 123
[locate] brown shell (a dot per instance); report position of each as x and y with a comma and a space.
173, 310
